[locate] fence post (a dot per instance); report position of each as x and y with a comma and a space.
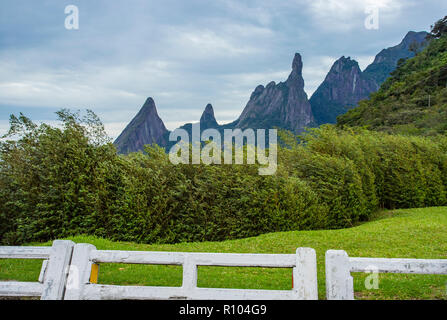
56, 272
189, 273
339, 282
79, 273
305, 274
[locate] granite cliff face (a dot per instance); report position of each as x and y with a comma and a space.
283, 105
145, 128
345, 85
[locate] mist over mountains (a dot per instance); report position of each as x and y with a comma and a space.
285, 104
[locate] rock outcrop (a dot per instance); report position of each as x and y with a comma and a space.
386, 61
284, 105
207, 120
344, 86
145, 128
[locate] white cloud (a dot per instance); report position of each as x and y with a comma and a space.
346, 15
225, 39
183, 55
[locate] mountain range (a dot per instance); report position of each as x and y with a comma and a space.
345, 84
285, 105
412, 101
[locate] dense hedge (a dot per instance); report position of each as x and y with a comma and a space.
57, 182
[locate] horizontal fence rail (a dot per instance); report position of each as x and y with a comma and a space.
204, 259
339, 282
416, 266
53, 274
69, 271
25, 252
85, 256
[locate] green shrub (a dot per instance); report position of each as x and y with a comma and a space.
60, 182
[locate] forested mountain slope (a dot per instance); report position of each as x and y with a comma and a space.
413, 100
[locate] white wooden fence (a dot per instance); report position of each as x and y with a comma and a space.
67, 269
303, 264
53, 274
339, 282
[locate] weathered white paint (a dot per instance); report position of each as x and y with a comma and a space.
43, 270
57, 270
305, 274
303, 264
20, 289
79, 273
189, 273
53, 273
178, 258
339, 282
25, 252
417, 266
112, 292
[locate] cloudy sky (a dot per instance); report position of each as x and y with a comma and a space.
183, 53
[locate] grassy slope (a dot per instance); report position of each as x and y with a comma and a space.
411, 233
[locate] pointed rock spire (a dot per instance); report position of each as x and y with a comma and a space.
297, 70
297, 64
283, 105
145, 128
207, 120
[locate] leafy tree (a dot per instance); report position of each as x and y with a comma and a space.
439, 29
61, 181
53, 179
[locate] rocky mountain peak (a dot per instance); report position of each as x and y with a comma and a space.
344, 62
386, 60
297, 69
149, 107
283, 105
297, 64
345, 84
413, 36
342, 88
145, 128
207, 120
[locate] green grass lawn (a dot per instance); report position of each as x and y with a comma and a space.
411, 233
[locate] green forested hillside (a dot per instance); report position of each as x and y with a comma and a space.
59, 182
413, 100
